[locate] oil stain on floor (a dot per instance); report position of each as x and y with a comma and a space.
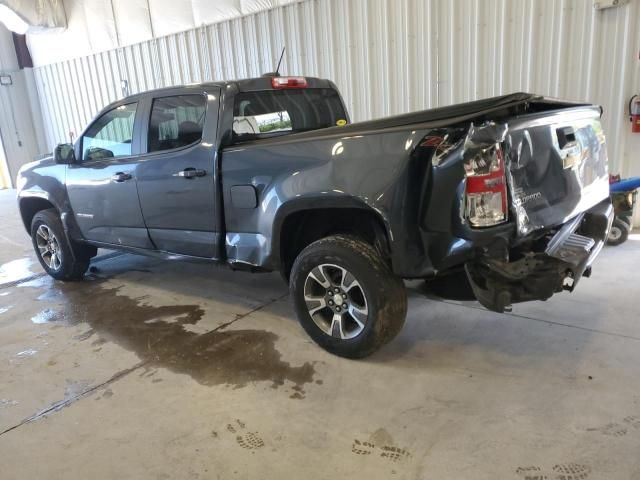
156, 334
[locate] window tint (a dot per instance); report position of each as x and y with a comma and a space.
272, 112
110, 135
176, 122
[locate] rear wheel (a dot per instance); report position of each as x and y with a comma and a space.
619, 232
53, 249
346, 297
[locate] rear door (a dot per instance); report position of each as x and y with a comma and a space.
176, 175
101, 184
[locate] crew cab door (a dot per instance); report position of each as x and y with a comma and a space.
101, 184
176, 176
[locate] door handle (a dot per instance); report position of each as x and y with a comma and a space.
190, 173
120, 177
566, 137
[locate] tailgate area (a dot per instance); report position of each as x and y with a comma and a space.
556, 167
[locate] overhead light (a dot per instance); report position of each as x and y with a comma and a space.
12, 20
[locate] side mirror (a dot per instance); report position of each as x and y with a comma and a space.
64, 154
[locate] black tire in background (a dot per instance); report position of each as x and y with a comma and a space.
627, 219
382, 292
72, 265
619, 232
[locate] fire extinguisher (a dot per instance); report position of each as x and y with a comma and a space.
634, 111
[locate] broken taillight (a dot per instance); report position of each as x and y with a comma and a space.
486, 188
289, 82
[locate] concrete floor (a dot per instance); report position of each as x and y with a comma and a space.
172, 370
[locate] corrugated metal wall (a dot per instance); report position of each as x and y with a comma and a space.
386, 56
20, 133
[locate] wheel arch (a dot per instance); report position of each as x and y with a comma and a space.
300, 223
30, 205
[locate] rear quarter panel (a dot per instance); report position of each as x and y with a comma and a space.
370, 170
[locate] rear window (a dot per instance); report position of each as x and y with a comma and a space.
269, 113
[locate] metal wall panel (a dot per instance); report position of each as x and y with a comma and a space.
386, 56
20, 130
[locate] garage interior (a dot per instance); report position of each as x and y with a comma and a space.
153, 369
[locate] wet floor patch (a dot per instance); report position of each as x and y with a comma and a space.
157, 335
15, 270
30, 352
47, 316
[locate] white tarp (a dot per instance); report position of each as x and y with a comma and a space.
99, 25
39, 15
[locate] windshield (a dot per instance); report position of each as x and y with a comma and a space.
269, 113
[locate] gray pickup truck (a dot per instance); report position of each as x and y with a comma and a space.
502, 200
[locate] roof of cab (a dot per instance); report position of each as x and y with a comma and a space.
243, 85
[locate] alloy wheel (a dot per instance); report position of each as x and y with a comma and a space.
336, 301
49, 247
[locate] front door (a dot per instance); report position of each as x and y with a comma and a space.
101, 184
176, 175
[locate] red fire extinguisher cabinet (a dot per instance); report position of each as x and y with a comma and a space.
634, 111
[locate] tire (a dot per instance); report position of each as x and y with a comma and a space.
626, 219
619, 232
68, 264
376, 299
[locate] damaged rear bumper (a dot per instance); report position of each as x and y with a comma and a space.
565, 256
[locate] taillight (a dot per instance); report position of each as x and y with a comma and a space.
289, 82
486, 188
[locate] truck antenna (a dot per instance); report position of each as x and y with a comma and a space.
279, 62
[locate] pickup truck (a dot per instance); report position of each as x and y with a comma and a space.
505, 199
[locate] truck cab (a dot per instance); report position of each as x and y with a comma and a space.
145, 174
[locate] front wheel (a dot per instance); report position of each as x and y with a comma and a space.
346, 297
54, 250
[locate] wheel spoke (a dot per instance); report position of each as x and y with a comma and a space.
54, 261
319, 276
359, 314
336, 326
348, 281
43, 231
318, 303
49, 259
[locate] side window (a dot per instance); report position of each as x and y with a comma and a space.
176, 122
111, 134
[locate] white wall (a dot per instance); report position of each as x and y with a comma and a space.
99, 25
387, 57
23, 135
